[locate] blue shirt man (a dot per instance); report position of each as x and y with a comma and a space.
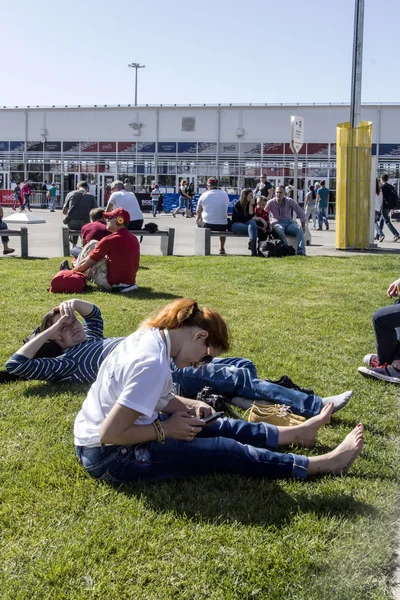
322, 205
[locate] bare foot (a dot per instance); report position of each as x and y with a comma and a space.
305, 434
339, 460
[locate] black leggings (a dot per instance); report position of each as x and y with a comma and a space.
385, 321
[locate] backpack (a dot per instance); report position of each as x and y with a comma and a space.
68, 282
151, 227
273, 248
390, 199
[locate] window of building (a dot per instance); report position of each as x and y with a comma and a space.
188, 123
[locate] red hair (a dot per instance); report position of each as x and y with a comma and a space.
185, 312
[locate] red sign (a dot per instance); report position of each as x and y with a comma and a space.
107, 146
127, 147
6, 197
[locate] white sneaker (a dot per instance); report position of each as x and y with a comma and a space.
130, 288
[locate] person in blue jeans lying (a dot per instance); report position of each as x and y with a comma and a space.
119, 436
238, 377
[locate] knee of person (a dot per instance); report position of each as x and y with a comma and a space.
380, 314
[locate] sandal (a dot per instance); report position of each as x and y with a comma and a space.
222, 252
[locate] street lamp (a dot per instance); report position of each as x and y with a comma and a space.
136, 66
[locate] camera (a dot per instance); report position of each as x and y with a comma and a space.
217, 402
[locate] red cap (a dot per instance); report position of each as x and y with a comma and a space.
212, 181
120, 214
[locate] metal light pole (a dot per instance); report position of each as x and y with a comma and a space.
356, 75
136, 66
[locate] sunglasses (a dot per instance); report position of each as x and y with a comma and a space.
207, 358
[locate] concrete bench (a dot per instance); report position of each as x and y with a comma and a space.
167, 238
22, 233
203, 235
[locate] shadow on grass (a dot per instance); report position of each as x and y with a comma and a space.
223, 498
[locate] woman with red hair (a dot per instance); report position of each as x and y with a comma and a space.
121, 437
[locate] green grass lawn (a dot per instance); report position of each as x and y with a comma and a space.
64, 535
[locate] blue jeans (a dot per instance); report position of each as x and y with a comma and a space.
52, 202
238, 377
226, 446
154, 205
322, 218
386, 216
251, 228
27, 202
5, 239
282, 228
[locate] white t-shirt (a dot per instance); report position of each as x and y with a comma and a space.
215, 207
136, 374
155, 194
129, 202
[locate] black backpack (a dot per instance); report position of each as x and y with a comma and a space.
273, 248
390, 197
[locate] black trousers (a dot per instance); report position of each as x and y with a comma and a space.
385, 321
135, 225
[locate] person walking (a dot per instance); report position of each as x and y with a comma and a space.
311, 206
17, 196
389, 202
322, 205
26, 193
189, 202
52, 193
379, 220
155, 196
184, 196
43, 203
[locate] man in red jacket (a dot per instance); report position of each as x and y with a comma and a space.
113, 261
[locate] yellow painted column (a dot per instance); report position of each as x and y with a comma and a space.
353, 185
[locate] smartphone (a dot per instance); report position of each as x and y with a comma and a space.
212, 418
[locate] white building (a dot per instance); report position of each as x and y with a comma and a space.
167, 143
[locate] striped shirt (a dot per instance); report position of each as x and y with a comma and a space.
80, 363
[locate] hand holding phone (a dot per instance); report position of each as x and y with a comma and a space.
213, 417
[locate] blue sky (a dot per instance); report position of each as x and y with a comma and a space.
212, 51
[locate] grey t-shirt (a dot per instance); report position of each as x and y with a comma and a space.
79, 205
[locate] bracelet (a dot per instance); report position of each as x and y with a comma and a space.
160, 431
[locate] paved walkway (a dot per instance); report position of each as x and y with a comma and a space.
45, 238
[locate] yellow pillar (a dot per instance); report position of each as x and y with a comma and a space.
353, 185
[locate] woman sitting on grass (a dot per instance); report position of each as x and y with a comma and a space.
120, 437
61, 348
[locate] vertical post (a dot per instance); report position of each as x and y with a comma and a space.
136, 68
356, 75
296, 174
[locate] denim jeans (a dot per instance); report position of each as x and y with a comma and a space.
5, 239
238, 377
251, 228
322, 218
27, 202
154, 206
282, 228
386, 320
52, 202
386, 216
226, 446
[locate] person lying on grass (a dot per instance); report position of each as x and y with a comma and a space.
119, 436
385, 364
61, 349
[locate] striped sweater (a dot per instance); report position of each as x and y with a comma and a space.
80, 363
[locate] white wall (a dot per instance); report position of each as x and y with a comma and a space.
269, 123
